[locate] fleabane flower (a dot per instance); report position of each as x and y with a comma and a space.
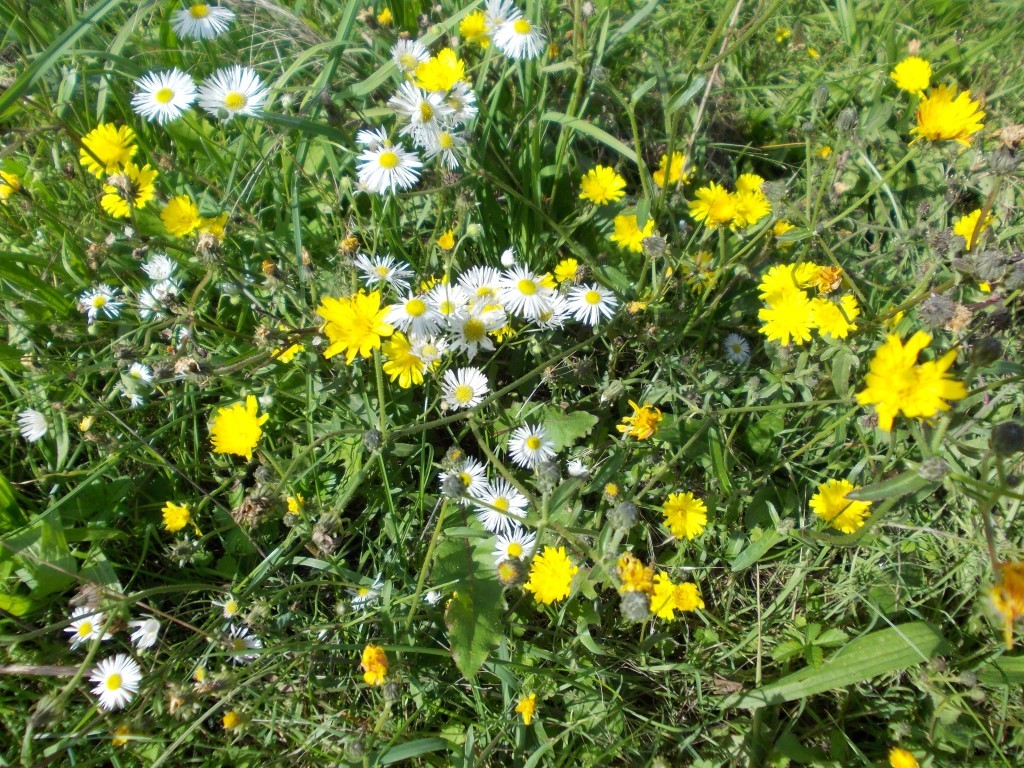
518, 38
86, 625
551, 574
498, 506
241, 643
530, 445
967, 225
737, 348
32, 425
912, 75
106, 148
524, 292
628, 234
408, 55
601, 184
472, 477
464, 388
232, 92
446, 145
130, 189
237, 429
415, 314
146, 632
101, 300
470, 329
589, 303
117, 681
385, 269
517, 544
423, 112
388, 168
643, 423
354, 325
161, 97
201, 21
945, 115
832, 506
685, 515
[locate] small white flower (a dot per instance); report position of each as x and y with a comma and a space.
497, 12
473, 475
233, 91
363, 596
555, 313
424, 113
241, 642
449, 299
530, 445
141, 372
737, 348
163, 96
518, 39
160, 267
117, 681
576, 468
101, 300
508, 258
445, 145
388, 168
371, 138
86, 625
383, 269
433, 597
523, 294
201, 21
408, 55
499, 506
147, 632
464, 388
481, 283
135, 400
228, 606
462, 99
32, 424
153, 300
429, 349
415, 314
517, 544
589, 303
469, 330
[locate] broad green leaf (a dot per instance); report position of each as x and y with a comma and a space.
591, 130
412, 749
16, 605
1006, 670
842, 363
904, 483
755, 550
565, 428
762, 435
474, 622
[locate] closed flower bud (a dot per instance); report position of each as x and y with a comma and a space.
1003, 161
847, 120
635, 606
623, 516
654, 245
1007, 438
820, 97
391, 690
510, 572
373, 440
989, 265
937, 310
986, 350
548, 473
453, 486
933, 469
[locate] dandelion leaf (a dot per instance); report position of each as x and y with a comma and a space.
566, 428
474, 623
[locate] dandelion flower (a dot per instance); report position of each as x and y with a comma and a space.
530, 445
474, 29
176, 516
163, 96
9, 184
1007, 597
374, 663
832, 506
685, 515
714, 207
901, 758
441, 72
628, 234
589, 303
498, 506
388, 168
464, 388
835, 319
737, 348
146, 633
402, 364
231, 720
526, 707
237, 428
601, 185
117, 681
551, 574
643, 423
106, 148
241, 643
517, 544
518, 39
101, 300
566, 270
671, 172
634, 575
130, 189
912, 75
896, 383
447, 240
32, 425
354, 325
944, 115
180, 216
86, 625
967, 225
233, 91
201, 21
669, 597
790, 317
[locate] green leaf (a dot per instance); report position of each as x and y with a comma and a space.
842, 363
588, 129
865, 658
904, 483
16, 605
755, 550
1006, 670
762, 435
474, 623
412, 749
565, 428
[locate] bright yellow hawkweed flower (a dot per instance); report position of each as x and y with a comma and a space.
526, 707
714, 207
944, 115
402, 364
441, 72
374, 663
130, 189
643, 424
446, 241
473, 29
901, 758
176, 516
912, 75
669, 597
671, 171
1007, 597
628, 234
354, 325
686, 516
566, 269
9, 184
790, 316
237, 428
966, 225
832, 506
835, 319
601, 185
106, 149
634, 575
551, 575
181, 216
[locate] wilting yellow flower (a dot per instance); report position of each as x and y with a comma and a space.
214, 225
441, 72
813, 52
832, 506
715, 206
685, 515
121, 736
526, 707
9, 184
354, 325
828, 279
601, 185
446, 241
634, 575
181, 216
835, 319
643, 424
628, 234
1007, 597
901, 758
473, 29
132, 188
944, 115
551, 575
237, 428
176, 516
385, 17
566, 269
402, 364
375, 665
789, 317
288, 354
106, 148
295, 503
912, 75
671, 172
896, 383
968, 223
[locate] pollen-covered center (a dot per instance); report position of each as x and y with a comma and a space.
114, 682
382, 271
533, 442
463, 393
415, 307
445, 140
527, 287
164, 95
388, 160
98, 301
522, 27
515, 549
501, 504
592, 297
235, 100
85, 629
199, 11
474, 330
426, 112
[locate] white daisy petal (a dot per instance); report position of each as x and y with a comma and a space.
233, 91
32, 425
117, 681
530, 445
499, 505
163, 96
589, 303
464, 388
201, 21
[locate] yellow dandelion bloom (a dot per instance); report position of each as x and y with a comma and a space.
295, 503
385, 17
9, 185
526, 707
402, 364
214, 225
1007, 597
237, 428
287, 355
473, 29
668, 597
901, 758
231, 720
750, 208
789, 317
782, 227
566, 269
828, 279
628, 234
714, 207
671, 171
121, 736
611, 491
354, 325
181, 216
601, 185
944, 115
967, 224
813, 53
106, 148
835, 319
441, 72
687, 598
686, 516
446, 241
132, 188
824, 152
912, 75
634, 575
643, 424
374, 663
551, 574
176, 516
832, 506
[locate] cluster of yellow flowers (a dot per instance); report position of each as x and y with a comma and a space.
790, 314
666, 597
716, 206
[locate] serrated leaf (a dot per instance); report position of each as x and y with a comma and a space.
474, 626
565, 428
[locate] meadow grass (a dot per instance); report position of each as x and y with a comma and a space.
327, 532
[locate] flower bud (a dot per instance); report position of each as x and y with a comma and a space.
510, 572
937, 310
986, 350
635, 606
1007, 438
623, 517
847, 120
933, 469
820, 97
453, 486
548, 473
373, 440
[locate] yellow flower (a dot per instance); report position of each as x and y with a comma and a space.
375, 665
176, 517
214, 226
473, 29
912, 75
131, 189
685, 515
566, 269
121, 736
966, 225
231, 720
944, 115
601, 185
813, 52
526, 707
505, 332
828, 279
611, 491
687, 598
782, 34
634, 575
715, 206
441, 72
106, 148
9, 184
781, 228
896, 383
789, 316
295, 503
628, 235
669, 597
236, 429
901, 758
835, 319
985, 287
750, 207
832, 506
181, 216
446, 241
643, 424
385, 17
402, 364
1007, 597
289, 354
671, 172
825, 152
749, 182
354, 325
551, 575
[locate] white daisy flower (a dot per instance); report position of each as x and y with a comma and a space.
429, 349
383, 269
576, 468
101, 300
147, 632
117, 681
518, 39
497, 12
523, 294
499, 505
159, 267
737, 348
228, 606
473, 475
530, 445
423, 112
163, 96
508, 258
135, 400
240, 642
86, 625
462, 99
589, 303
363, 596
201, 21
371, 138
415, 315
141, 372
517, 544
448, 299
555, 314
232, 91
388, 168
32, 425
481, 283
153, 300
464, 388
469, 330
408, 55
433, 597
445, 145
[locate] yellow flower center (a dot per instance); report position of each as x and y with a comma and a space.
428, 351
501, 504
527, 287
237, 644
363, 591
533, 442
466, 479
199, 11
592, 297
445, 140
463, 393
515, 549
426, 112
164, 95
415, 307
388, 160
522, 27
235, 100
114, 682
382, 271
85, 629
98, 302
408, 61
230, 608
474, 330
